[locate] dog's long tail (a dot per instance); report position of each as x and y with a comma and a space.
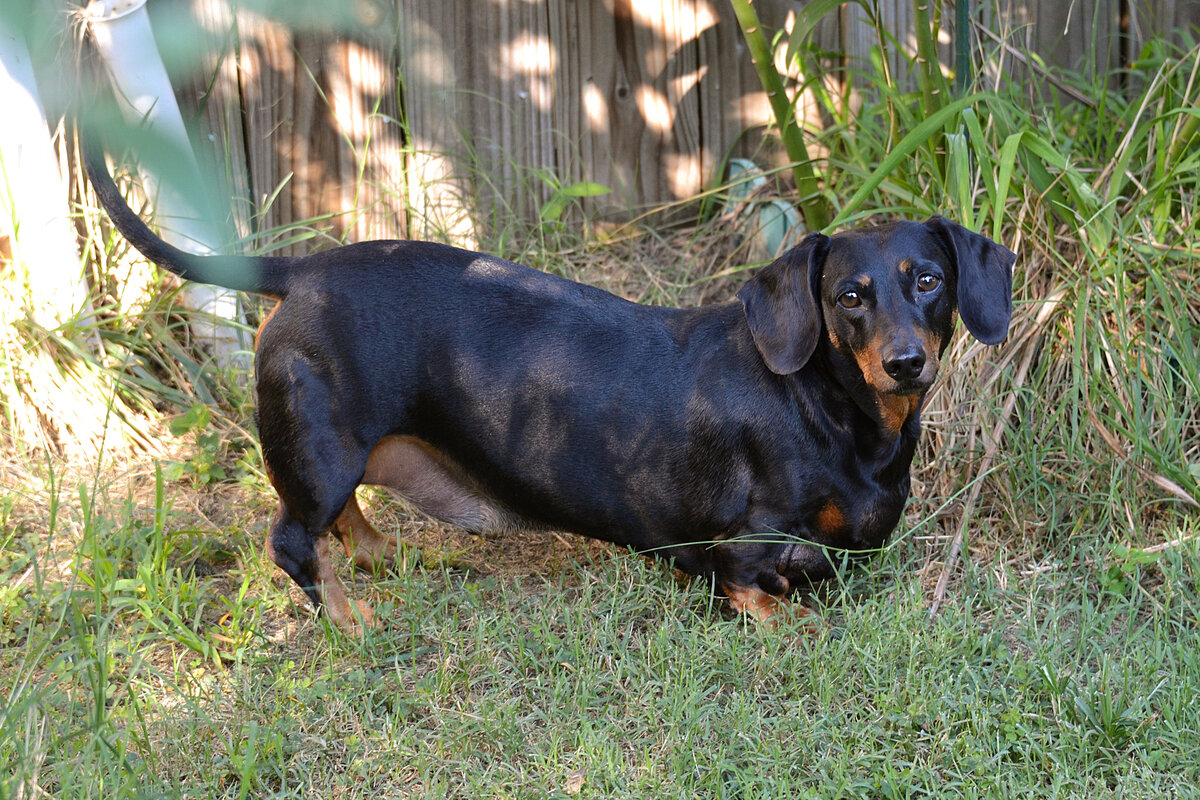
259, 274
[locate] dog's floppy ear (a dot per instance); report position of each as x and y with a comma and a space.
782, 305
984, 279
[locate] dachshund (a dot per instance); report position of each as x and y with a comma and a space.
756, 441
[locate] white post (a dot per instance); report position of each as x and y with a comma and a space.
33, 195
121, 31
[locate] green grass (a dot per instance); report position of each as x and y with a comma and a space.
148, 648
1070, 677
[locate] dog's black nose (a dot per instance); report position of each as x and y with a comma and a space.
905, 366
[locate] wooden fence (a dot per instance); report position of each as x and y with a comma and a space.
433, 115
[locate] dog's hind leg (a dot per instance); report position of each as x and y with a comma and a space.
434, 484
369, 549
314, 463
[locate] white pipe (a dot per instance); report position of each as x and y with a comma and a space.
33, 195
121, 31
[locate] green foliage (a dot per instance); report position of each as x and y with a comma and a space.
205, 461
979, 154
563, 195
813, 206
614, 679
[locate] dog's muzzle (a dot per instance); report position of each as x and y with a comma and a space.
802, 561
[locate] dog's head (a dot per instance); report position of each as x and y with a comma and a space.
883, 299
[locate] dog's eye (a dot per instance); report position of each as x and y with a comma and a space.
927, 282
849, 300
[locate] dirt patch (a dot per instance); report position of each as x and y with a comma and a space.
519, 553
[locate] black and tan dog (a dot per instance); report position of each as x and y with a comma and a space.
744, 440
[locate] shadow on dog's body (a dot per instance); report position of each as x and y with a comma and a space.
741, 439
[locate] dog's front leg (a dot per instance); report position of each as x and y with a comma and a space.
758, 571
755, 602
347, 618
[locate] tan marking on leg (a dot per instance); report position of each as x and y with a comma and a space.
754, 601
369, 549
333, 595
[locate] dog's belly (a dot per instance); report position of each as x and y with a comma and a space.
632, 506
435, 485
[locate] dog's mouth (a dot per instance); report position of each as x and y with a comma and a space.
803, 563
908, 388
887, 386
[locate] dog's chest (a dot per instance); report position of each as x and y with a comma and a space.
849, 501
861, 518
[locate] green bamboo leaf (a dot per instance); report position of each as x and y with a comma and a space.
958, 177
1004, 173
812, 204
918, 136
810, 17
585, 189
984, 158
553, 208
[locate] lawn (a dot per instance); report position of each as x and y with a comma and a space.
176, 662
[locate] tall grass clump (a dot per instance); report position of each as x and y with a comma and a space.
1085, 421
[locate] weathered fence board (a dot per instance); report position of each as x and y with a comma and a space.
303, 124
477, 87
649, 97
442, 116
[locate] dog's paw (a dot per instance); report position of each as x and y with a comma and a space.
367, 614
770, 610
